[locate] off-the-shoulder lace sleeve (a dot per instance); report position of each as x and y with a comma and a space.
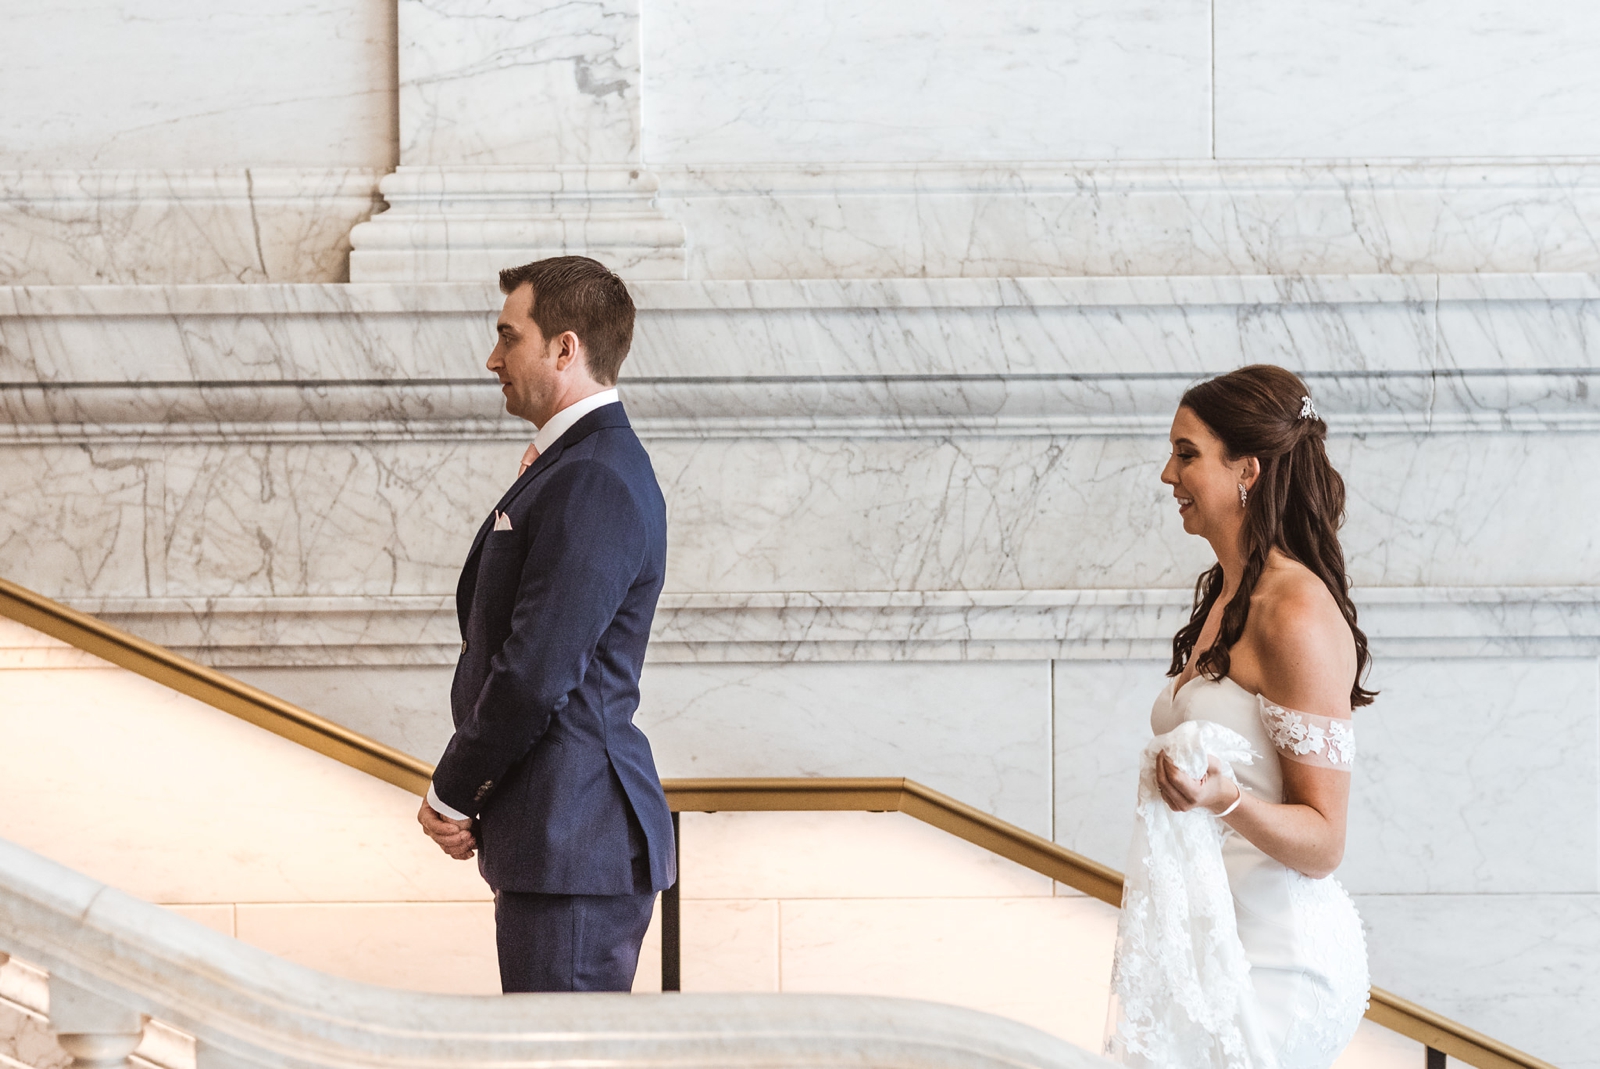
1323, 741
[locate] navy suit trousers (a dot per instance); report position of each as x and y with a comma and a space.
554, 942
569, 942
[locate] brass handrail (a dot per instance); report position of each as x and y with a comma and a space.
214, 688
896, 795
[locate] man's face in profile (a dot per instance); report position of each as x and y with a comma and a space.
523, 360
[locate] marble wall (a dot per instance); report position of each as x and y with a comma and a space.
919, 285
917, 530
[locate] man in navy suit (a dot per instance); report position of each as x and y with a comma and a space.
546, 776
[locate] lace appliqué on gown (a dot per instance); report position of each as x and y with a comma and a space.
1181, 990
1323, 741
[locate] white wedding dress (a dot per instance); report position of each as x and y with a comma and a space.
1227, 959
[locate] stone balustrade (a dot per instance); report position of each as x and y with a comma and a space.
116, 963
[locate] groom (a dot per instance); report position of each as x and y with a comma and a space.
546, 774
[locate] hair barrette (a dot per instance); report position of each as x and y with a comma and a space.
1307, 409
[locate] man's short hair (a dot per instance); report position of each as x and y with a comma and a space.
581, 295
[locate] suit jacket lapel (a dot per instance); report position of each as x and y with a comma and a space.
546, 458
603, 417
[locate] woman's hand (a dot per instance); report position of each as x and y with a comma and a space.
1183, 792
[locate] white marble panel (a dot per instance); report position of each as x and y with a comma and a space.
903, 81
734, 856
188, 84
208, 809
978, 732
406, 706
1519, 967
731, 945
1043, 961
314, 516
448, 947
848, 514
79, 521
1102, 722
1477, 78
228, 227
501, 82
1435, 510
771, 514
1452, 510
1444, 797
1115, 219
1477, 777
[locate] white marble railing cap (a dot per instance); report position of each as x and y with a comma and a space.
254, 1008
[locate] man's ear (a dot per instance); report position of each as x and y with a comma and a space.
569, 350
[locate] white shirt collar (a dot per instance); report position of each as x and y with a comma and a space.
562, 421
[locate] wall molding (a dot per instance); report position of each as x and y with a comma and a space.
784, 627
1141, 176
912, 358
731, 295
225, 226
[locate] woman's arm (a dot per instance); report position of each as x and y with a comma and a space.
1306, 659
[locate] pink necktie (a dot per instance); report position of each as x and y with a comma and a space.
529, 455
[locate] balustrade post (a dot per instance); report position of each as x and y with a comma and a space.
671, 920
1435, 1059
97, 1032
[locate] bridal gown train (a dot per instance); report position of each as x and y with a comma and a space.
1294, 998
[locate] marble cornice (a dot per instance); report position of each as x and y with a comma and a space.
1384, 354
885, 294
839, 405
1109, 177
777, 627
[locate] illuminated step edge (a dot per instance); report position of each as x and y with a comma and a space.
779, 627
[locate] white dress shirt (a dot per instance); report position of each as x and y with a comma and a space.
553, 428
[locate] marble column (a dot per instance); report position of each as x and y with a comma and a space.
519, 138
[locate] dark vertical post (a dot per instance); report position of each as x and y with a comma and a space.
1435, 1059
671, 947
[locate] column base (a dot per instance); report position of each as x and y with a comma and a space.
463, 224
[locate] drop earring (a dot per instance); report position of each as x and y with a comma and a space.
1244, 495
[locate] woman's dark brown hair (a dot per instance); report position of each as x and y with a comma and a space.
1296, 506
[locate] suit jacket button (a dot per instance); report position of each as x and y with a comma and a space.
463, 646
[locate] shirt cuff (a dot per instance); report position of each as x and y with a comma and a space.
442, 809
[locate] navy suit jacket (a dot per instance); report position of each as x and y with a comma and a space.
555, 614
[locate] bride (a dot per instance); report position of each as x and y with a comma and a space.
1236, 948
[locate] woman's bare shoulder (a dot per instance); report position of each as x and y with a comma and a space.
1301, 640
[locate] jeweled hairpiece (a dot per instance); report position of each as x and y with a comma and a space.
1307, 409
